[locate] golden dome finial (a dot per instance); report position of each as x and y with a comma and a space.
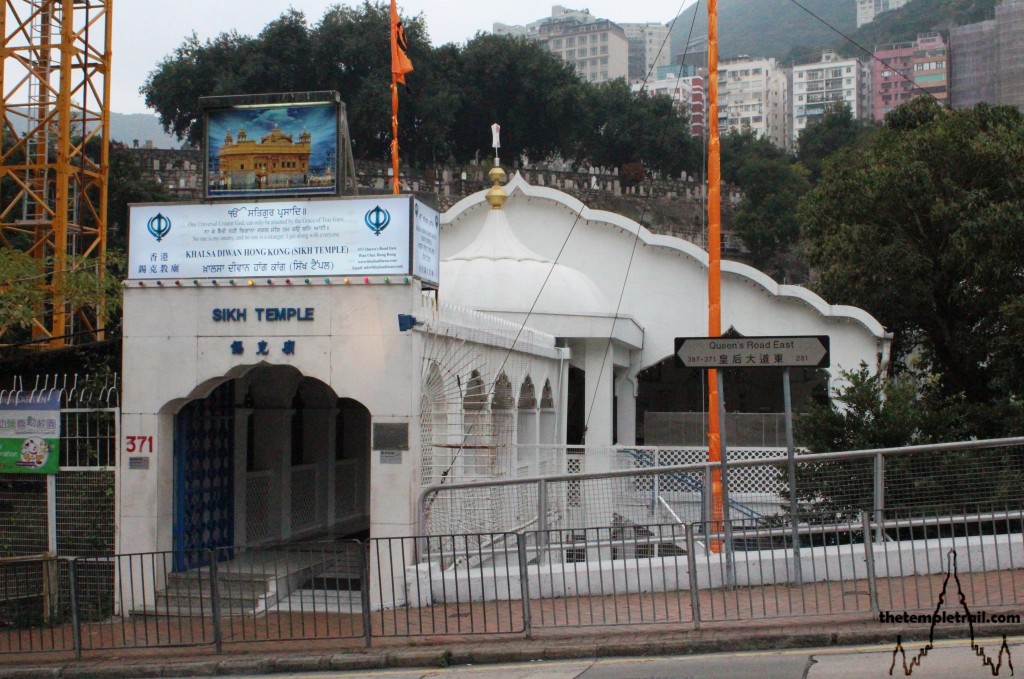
496, 196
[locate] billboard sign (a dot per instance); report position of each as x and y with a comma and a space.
366, 236
272, 150
30, 435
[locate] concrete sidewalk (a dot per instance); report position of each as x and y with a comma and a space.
566, 643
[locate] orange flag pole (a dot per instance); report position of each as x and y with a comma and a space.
714, 269
400, 65
396, 183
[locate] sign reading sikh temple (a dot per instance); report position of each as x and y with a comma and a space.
384, 235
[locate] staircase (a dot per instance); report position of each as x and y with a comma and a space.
336, 589
259, 580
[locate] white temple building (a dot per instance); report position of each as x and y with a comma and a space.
282, 405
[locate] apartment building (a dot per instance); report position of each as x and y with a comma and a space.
867, 10
649, 49
688, 93
599, 49
902, 71
831, 81
750, 90
987, 59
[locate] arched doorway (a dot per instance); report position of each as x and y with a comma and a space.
269, 456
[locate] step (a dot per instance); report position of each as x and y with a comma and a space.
319, 601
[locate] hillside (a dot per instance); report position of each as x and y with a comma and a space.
769, 28
918, 16
781, 29
127, 127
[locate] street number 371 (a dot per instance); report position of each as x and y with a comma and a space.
138, 444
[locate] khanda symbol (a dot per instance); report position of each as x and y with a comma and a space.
377, 220
159, 226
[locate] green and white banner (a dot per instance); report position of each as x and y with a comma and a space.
30, 436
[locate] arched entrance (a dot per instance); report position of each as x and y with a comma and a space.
267, 457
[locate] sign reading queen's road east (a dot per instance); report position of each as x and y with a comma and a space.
366, 236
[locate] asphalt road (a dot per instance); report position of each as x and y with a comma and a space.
952, 658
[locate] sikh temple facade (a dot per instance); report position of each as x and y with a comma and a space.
285, 401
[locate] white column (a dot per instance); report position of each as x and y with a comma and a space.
625, 415
599, 388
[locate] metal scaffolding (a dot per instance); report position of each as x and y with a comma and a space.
54, 157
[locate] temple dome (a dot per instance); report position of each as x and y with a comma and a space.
497, 273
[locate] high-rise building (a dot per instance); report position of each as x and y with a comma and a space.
687, 93
972, 64
905, 70
987, 59
746, 89
867, 10
599, 49
826, 83
649, 49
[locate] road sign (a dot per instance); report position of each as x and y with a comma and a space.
707, 353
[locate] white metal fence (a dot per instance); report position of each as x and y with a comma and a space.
72, 513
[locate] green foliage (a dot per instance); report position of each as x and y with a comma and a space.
127, 185
740, 149
869, 413
620, 128
455, 93
916, 227
836, 130
26, 286
534, 96
766, 220
21, 285
772, 185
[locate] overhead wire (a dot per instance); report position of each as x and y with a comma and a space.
589, 191
870, 53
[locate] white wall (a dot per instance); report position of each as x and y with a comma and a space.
174, 351
666, 281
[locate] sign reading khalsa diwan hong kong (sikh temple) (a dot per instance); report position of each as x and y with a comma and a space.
374, 236
30, 435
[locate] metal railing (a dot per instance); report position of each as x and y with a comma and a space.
635, 481
519, 583
856, 547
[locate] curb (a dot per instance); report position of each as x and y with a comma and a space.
483, 653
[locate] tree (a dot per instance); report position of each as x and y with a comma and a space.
870, 412
532, 94
620, 128
127, 185
921, 227
741, 148
837, 129
766, 219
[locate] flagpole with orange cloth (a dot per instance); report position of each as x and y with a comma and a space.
714, 272
400, 65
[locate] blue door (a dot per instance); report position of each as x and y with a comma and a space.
204, 450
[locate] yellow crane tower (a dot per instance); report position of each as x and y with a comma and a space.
54, 158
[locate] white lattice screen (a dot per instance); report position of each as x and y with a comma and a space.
478, 396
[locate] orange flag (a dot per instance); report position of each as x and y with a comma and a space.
400, 62
400, 65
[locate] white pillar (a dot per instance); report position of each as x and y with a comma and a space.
599, 389
625, 415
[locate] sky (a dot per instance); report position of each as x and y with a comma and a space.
145, 31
